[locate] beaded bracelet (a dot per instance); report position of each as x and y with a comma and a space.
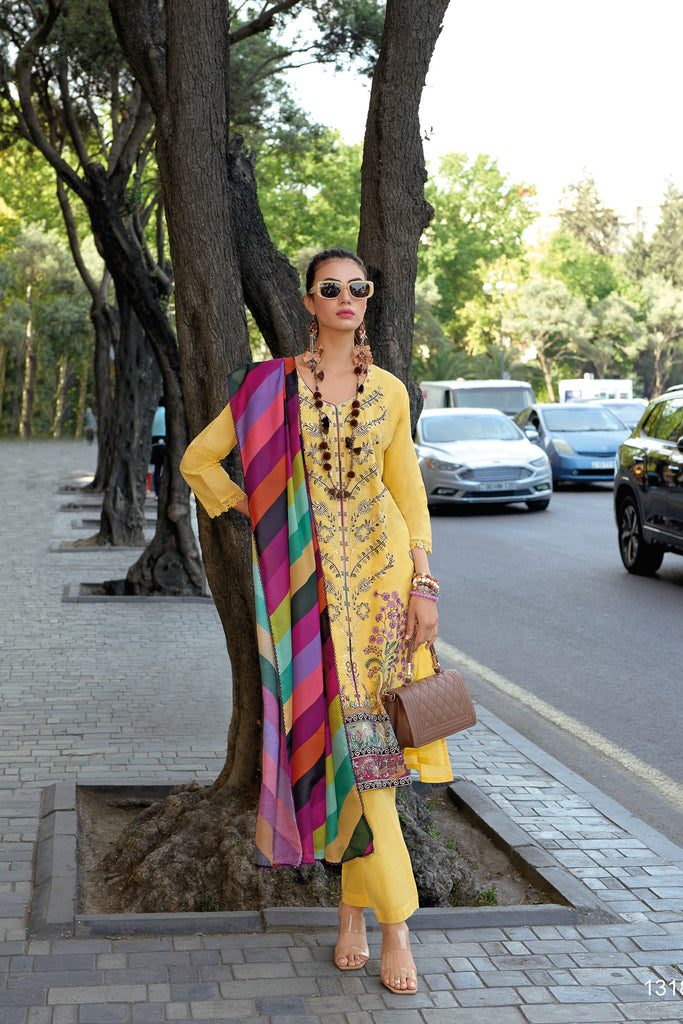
426, 582
424, 577
418, 593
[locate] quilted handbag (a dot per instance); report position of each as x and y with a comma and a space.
428, 709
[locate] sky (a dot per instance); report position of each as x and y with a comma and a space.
552, 90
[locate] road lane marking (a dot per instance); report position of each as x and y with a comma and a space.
664, 784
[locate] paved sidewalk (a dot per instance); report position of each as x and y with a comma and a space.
141, 691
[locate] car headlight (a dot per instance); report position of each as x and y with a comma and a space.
543, 461
562, 447
437, 464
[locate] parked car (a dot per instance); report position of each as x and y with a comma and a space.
580, 440
648, 487
510, 396
628, 410
479, 455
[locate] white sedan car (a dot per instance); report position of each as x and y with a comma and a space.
470, 456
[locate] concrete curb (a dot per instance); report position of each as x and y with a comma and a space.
54, 908
71, 594
535, 863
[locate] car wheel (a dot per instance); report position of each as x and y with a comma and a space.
538, 506
638, 556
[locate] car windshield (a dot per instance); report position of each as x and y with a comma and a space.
508, 400
628, 412
567, 418
469, 427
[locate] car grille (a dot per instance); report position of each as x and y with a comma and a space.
597, 455
486, 473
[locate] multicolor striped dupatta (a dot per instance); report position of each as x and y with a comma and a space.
310, 808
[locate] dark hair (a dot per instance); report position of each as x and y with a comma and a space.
330, 254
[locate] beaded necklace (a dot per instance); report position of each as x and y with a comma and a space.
362, 358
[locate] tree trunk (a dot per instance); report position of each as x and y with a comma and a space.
105, 323
30, 371
138, 385
3, 377
60, 399
394, 212
83, 392
272, 289
212, 334
547, 373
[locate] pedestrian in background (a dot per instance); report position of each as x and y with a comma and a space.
90, 424
158, 443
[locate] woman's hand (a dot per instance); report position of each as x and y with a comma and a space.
422, 621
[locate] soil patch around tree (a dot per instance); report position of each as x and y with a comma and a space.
184, 853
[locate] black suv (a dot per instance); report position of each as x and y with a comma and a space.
648, 486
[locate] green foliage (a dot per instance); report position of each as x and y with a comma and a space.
552, 322
666, 248
587, 273
487, 897
262, 108
349, 31
40, 286
661, 363
584, 215
479, 217
618, 336
310, 197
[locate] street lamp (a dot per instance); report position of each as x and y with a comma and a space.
501, 287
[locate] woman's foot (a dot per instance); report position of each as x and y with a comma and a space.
399, 973
351, 951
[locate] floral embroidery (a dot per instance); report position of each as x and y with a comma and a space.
367, 567
377, 757
387, 648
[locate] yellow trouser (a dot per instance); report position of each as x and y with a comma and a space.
384, 879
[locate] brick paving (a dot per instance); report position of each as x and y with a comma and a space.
97, 691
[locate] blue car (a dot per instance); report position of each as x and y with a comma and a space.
581, 441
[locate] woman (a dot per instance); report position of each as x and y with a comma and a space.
335, 497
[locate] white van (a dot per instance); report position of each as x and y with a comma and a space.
510, 396
580, 389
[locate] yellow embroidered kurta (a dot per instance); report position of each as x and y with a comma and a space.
365, 543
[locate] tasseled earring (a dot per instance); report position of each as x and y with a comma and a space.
362, 354
314, 350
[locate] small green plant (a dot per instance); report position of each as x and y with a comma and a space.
208, 904
487, 897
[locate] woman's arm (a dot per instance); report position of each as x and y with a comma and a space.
201, 467
423, 618
403, 479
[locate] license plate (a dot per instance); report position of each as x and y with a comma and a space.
497, 485
602, 464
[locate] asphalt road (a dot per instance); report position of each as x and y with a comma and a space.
540, 601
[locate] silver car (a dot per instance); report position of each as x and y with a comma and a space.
470, 456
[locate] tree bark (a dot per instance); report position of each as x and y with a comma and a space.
83, 392
394, 212
138, 385
547, 373
30, 371
272, 289
3, 377
60, 400
105, 323
192, 119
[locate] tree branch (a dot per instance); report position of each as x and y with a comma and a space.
71, 123
142, 35
72, 235
262, 22
22, 71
